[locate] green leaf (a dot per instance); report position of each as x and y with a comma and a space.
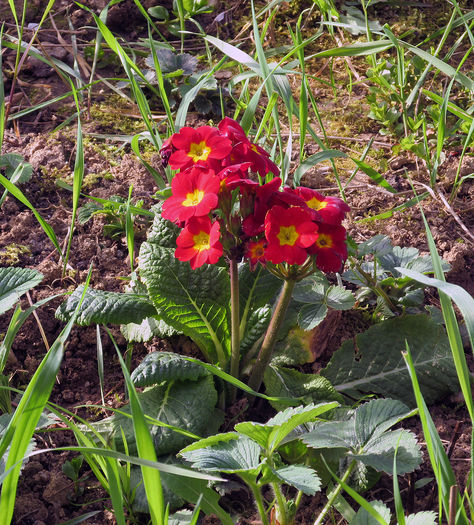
192, 489
237, 455
422, 518
374, 175
308, 388
359, 49
166, 366
364, 518
101, 307
194, 302
271, 434
14, 282
373, 362
374, 418
461, 297
301, 477
187, 405
379, 452
16, 168
148, 328
339, 298
311, 315
313, 160
366, 438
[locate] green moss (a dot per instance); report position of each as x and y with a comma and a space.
113, 115
11, 254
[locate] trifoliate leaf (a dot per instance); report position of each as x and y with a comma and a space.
373, 363
272, 433
377, 245
166, 366
301, 477
101, 307
14, 282
311, 315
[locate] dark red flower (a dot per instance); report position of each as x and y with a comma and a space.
203, 145
331, 209
166, 151
255, 252
194, 193
330, 248
199, 242
254, 204
289, 232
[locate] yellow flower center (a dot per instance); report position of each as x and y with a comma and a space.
258, 251
316, 204
324, 241
199, 151
194, 198
287, 235
201, 241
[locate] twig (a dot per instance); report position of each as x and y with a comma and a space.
452, 505
447, 206
40, 326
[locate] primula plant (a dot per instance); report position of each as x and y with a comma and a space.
228, 202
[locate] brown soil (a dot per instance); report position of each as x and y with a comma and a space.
45, 494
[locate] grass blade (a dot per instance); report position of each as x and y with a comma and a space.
18, 434
145, 448
18, 194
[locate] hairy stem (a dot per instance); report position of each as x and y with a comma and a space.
258, 501
282, 514
271, 335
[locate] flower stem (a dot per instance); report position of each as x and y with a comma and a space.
271, 335
235, 319
335, 493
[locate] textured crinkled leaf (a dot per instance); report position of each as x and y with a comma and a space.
258, 288
255, 327
14, 282
236, 455
188, 405
295, 349
422, 518
379, 452
301, 477
101, 307
148, 328
166, 366
310, 388
374, 363
195, 302
162, 232
364, 518
270, 434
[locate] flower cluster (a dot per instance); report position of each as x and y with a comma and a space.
222, 209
